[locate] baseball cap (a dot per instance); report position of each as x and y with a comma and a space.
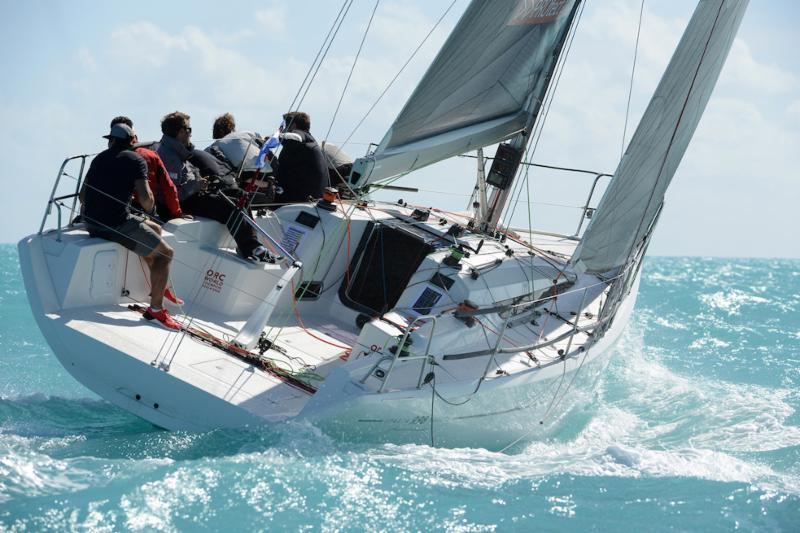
120, 131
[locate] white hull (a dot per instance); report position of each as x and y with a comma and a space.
200, 388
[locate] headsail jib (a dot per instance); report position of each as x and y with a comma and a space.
484, 87
627, 212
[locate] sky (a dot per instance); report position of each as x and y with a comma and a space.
69, 67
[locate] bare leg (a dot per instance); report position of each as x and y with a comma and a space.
149, 259
155, 227
159, 261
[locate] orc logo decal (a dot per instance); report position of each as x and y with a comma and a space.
214, 280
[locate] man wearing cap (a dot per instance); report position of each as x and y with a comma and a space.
106, 194
166, 195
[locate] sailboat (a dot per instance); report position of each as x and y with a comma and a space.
390, 321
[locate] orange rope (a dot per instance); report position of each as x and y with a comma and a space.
303, 326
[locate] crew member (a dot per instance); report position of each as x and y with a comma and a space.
166, 195
301, 168
113, 176
176, 150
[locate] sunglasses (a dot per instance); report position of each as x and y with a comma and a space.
188, 129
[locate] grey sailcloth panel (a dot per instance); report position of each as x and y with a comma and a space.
636, 191
482, 88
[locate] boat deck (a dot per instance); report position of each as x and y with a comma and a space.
259, 383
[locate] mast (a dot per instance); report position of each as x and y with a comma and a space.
518, 143
478, 199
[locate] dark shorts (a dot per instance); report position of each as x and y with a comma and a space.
134, 234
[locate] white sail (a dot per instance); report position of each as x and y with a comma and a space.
636, 192
483, 87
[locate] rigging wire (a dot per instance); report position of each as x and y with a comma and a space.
316, 58
385, 90
630, 88
549, 97
350, 75
325, 54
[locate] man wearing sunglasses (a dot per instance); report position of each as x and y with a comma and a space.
177, 151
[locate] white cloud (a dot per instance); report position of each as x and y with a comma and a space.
87, 60
401, 26
743, 70
272, 20
143, 44
793, 110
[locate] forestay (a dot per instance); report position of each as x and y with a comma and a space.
483, 87
631, 203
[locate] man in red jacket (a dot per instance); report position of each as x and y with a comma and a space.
167, 205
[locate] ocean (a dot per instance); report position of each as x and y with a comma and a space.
694, 427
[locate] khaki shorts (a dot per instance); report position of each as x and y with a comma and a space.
134, 234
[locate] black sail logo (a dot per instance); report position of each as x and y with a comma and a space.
536, 12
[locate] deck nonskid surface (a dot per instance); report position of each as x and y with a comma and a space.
204, 366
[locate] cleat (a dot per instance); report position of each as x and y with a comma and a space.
163, 318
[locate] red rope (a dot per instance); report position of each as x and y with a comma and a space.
303, 326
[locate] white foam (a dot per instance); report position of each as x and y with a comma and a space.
23, 471
731, 301
663, 322
708, 342
661, 424
154, 504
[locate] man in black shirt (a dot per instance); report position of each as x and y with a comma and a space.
301, 167
106, 194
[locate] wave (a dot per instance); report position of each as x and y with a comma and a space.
52, 416
702, 391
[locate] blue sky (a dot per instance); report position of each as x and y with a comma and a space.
71, 66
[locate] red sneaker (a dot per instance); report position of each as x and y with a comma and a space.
162, 316
170, 295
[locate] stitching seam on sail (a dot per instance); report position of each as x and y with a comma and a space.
675, 130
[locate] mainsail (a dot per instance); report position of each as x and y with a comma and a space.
632, 201
484, 86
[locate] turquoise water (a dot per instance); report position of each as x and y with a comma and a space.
696, 426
